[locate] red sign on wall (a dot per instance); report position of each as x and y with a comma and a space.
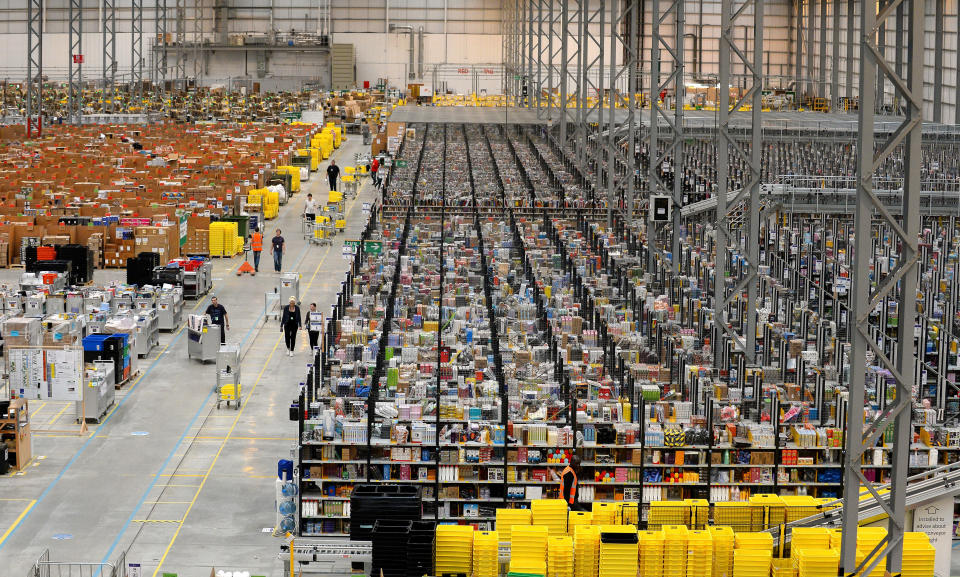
78, 58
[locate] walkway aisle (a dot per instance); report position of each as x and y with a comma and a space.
182, 485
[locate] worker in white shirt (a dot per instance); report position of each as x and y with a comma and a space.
310, 209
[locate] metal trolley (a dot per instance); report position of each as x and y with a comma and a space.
229, 389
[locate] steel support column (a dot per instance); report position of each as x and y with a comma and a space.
160, 47
900, 283
34, 111
851, 19
198, 40
744, 240
538, 52
798, 49
591, 58
555, 56
666, 51
180, 33
110, 55
622, 136
835, 57
822, 76
811, 43
938, 62
75, 79
136, 52
570, 59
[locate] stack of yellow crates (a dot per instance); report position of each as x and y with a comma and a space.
586, 547
752, 563
699, 513
809, 538
817, 562
754, 541
454, 549
604, 513
619, 554
836, 538
651, 553
699, 554
528, 550
799, 507
508, 518
223, 239
560, 556
675, 550
550, 513
486, 554
294, 172
918, 555
867, 540
738, 515
662, 513
783, 568
774, 511
575, 518
723, 543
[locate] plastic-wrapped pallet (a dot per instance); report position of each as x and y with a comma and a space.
528, 549
486, 562
454, 549
651, 553
618, 551
560, 556
551, 513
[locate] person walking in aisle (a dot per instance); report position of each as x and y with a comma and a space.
218, 316
333, 173
279, 248
310, 209
374, 167
290, 324
256, 245
314, 335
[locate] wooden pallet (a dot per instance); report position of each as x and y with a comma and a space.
130, 379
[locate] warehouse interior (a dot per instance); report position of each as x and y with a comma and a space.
558, 288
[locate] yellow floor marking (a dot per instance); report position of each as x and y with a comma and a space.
17, 521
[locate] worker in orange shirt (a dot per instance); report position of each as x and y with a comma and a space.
256, 245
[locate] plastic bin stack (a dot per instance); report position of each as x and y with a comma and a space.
420, 548
604, 513
918, 555
528, 550
699, 553
372, 503
651, 553
586, 547
552, 514
577, 518
808, 538
723, 545
223, 239
755, 541
867, 540
817, 562
664, 513
486, 562
390, 547
675, 550
454, 549
509, 518
560, 556
752, 562
618, 551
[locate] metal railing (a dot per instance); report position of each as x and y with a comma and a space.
44, 567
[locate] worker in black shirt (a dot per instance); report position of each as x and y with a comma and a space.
290, 324
333, 173
218, 316
568, 483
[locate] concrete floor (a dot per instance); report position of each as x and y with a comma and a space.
167, 477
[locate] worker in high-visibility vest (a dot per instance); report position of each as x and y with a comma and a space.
568, 482
256, 245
